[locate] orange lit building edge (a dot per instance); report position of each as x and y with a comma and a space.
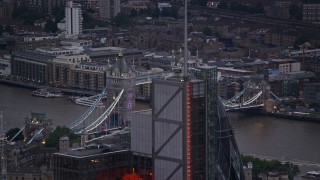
189, 134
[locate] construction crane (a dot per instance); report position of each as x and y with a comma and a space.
2, 140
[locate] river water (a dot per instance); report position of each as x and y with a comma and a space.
258, 135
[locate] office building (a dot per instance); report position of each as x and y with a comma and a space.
102, 160
311, 13
32, 66
108, 9
191, 134
73, 19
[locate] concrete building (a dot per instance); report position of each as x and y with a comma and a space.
40, 5
88, 76
64, 50
247, 170
136, 5
5, 65
108, 9
85, 44
92, 162
34, 42
311, 13
73, 19
32, 66
110, 54
30, 173
311, 94
64, 143
101, 161
86, 4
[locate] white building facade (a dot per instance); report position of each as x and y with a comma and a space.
5, 65
73, 19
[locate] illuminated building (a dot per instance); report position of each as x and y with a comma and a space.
191, 134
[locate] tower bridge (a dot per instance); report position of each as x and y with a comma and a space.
253, 96
120, 93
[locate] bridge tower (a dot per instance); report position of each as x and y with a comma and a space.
121, 76
266, 95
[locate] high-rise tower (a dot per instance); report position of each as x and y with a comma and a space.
73, 18
192, 138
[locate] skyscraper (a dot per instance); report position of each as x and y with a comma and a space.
108, 9
73, 18
192, 137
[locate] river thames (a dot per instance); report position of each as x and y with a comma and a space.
276, 138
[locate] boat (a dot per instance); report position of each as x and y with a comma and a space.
85, 101
46, 93
312, 175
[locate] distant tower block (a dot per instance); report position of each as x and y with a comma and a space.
64, 143
119, 77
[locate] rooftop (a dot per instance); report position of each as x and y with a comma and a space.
34, 55
93, 150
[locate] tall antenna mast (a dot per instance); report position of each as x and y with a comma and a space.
185, 65
3, 158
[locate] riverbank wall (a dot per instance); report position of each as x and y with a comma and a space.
37, 86
281, 115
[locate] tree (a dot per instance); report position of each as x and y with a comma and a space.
88, 21
223, 5
58, 12
51, 26
170, 12
295, 11
300, 40
54, 137
259, 9
264, 166
200, 2
207, 31
12, 132
121, 20
156, 13
133, 13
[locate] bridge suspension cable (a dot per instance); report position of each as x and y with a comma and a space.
101, 118
275, 96
251, 100
87, 113
17, 133
35, 135
234, 97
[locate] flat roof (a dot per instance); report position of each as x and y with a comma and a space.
234, 70
93, 150
282, 60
